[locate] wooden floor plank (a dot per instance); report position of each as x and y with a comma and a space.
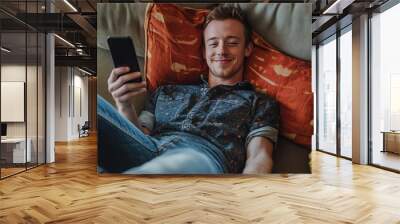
70, 191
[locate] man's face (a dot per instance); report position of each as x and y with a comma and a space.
225, 48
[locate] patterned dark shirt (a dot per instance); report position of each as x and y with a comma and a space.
227, 116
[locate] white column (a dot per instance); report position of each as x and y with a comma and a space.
50, 93
360, 90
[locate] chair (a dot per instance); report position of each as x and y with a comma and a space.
84, 130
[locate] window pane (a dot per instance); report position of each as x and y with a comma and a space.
385, 86
14, 151
345, 94
327, 97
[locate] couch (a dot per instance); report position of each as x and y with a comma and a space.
279, 24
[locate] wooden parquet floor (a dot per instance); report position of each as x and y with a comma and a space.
70, 191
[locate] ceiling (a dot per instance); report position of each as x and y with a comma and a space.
332, 15
76, 21
76, 25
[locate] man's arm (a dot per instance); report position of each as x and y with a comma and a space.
259, 156
123, 91
263, 133
130, 113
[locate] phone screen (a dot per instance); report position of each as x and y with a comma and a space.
123, 54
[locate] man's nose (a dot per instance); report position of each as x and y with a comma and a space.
221, 49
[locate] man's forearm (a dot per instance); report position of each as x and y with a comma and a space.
259, 156
262, 163
130, 114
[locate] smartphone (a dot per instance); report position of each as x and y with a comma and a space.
123, 54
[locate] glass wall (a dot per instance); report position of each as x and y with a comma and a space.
13, 87
385, 88
346, 92
333, 137
22, 92
31, 99
327, 95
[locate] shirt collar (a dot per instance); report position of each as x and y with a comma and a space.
204, 81
240, 85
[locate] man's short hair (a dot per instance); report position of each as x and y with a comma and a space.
223, 12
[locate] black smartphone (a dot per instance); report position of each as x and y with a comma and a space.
123, 54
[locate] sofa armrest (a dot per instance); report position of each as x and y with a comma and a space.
289, 157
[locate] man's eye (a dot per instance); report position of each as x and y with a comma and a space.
233, 43
212, 45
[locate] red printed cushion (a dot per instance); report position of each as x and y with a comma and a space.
174, 45
174, 56
288, 80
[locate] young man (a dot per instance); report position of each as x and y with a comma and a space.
220, 126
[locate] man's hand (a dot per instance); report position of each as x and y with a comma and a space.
121, 89
123, 92
259, 156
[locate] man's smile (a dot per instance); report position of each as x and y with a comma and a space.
222, 60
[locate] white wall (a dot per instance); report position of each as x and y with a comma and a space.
61, 103
16, 73
33, 126
71, 94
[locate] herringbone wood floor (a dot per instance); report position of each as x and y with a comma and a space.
70, 191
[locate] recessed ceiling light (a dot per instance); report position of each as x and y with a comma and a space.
84, 71
70, 5
65, 41
5, 49
337, 7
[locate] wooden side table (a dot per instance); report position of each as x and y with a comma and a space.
391, 141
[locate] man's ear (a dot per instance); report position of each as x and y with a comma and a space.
249, 49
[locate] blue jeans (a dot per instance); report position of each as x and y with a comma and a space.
123, 148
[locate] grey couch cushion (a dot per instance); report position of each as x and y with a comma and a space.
286, 26
121, 19
289, 157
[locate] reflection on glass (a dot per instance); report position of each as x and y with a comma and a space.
385, 84
41, 99
23, 88
327, 97
394, 101
13, 85
31, 101
346, 94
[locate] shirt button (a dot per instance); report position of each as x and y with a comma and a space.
185, 124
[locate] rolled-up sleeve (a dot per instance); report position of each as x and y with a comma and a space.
146, 117
147, 120
265, 121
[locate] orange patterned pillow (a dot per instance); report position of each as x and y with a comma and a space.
174, 56
174, 45
288, 80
